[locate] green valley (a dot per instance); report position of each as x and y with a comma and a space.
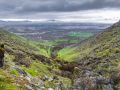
92, 62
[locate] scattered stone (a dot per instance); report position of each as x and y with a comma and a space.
28, 87
50, 89
107, 87
50, 79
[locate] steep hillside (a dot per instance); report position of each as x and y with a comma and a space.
99, 61
28, 65
23, 44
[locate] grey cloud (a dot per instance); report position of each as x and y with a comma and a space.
32, 7
66, 5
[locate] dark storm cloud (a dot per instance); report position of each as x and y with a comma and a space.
15, 8
66, 5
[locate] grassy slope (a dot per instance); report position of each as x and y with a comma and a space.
106, 43
101, 53
88, 47
15, 44
69, 53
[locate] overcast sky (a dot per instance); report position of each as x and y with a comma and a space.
63, 10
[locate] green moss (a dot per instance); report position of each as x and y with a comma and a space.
103, 53
67, 82
6, 81
9, 58
52, 84
37, 68
7, 86
49, 84
14, 72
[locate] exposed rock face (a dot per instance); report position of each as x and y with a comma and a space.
91, 82
107, 87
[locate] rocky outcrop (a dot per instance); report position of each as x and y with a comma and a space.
90, 80
30, 83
